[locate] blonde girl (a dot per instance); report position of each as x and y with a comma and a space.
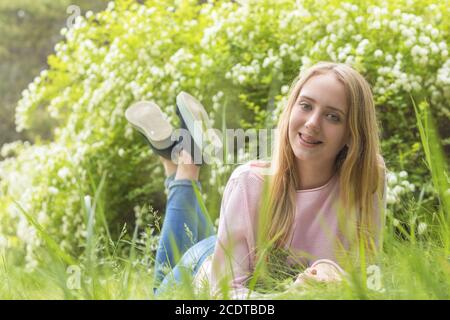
324, 196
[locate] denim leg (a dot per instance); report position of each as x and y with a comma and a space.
189, 265
184, 225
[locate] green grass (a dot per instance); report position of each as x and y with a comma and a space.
411, 266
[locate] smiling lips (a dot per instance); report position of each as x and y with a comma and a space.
308, 139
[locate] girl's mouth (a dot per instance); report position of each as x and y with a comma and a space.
308, 142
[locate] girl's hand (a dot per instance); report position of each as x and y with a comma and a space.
321, 271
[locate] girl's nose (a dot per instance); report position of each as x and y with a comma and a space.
313, 122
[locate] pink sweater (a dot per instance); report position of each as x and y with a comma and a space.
314, 237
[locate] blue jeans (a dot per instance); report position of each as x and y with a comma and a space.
187, 236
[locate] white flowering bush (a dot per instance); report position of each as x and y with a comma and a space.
239, 58
399, 191
397, 185
404, 208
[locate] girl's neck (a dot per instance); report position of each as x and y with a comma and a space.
313, 175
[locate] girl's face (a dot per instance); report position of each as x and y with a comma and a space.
318, 126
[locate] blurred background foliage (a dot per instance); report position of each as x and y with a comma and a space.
29, 31
238, 57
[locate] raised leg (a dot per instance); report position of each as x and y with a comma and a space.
184, 224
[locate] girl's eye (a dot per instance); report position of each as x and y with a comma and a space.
334, 117
305, 106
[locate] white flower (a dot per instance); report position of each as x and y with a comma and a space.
425, 40
434, 48
393, 25
405, 184
53, 190
378, 53
350, 60
403, 174
434, 33
424, 52
357, 37
416, 50
121, 152
63, 173
333, 37
294, 57
390, 199
422, 227
217, 96
416, 86
360, 51
376, 25
397, 190
395, 222
278, 64
391, 178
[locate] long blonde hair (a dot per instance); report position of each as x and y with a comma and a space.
359, 164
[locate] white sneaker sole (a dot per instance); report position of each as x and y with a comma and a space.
148, 118
197, 121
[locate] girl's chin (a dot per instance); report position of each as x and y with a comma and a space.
305, 155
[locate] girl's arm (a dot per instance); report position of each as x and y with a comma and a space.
233, 257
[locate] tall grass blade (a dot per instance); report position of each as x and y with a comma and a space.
50, 242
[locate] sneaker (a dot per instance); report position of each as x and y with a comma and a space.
194, 118
151, 122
